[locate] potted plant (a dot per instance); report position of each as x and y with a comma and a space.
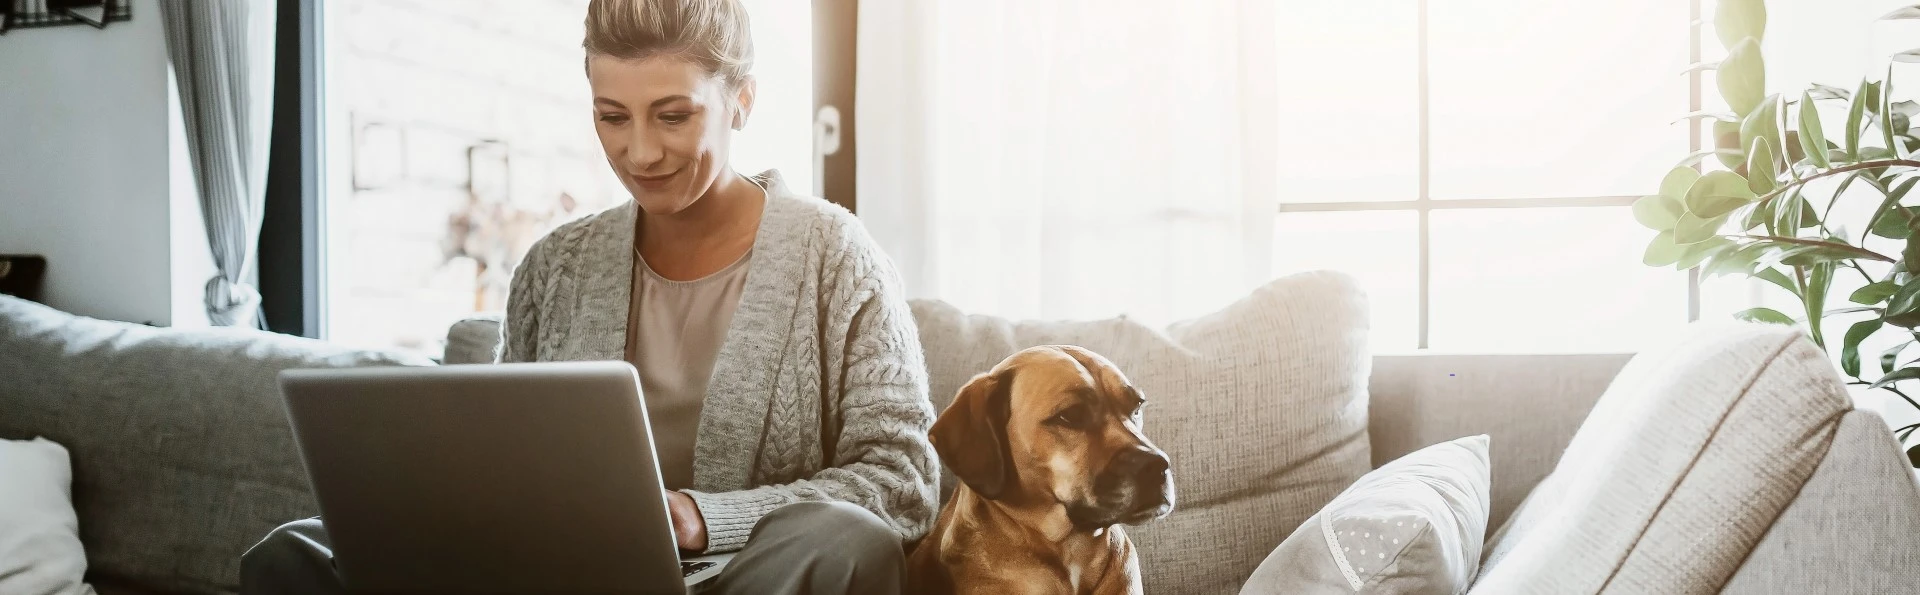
1761, 202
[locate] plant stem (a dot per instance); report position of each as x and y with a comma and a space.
1837, 171
1910, 401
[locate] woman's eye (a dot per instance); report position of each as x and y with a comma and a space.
675, 118
613, 118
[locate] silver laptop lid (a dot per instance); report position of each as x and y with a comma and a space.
513, 478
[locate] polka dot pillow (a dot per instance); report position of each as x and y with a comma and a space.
1415, 525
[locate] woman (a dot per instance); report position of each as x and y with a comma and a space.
782, 370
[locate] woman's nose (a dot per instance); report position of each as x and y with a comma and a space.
644, 148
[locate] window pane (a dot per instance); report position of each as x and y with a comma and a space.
460, 132
1550, 99
1349, 101
1380, 248
1548, 280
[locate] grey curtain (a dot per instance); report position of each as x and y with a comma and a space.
222, 55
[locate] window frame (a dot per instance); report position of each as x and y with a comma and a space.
1424, 204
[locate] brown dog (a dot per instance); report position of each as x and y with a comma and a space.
1051, 459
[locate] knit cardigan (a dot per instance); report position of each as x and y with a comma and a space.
819, 391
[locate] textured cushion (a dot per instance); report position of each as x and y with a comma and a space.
1261, 406
1414, 525
39, 537
473, 340
1854, 528
1683, 465
182, 456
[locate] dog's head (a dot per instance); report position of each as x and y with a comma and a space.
1057, 425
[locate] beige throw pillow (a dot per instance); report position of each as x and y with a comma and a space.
1413, 526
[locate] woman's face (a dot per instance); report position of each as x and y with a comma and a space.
666, 125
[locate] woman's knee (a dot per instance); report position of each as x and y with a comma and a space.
842, 527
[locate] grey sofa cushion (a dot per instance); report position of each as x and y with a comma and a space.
181, 452
473, 340
1262, 407
1854, 528
1694, 450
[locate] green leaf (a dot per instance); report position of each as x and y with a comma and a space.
1740, 19
1856, 110
1792, 214
1909, 56
1662, 251
1911, 252
1893, 224
1776, 277
1903, 309
1716, 194
1726, 142
1904, 12
1812, 139
1658, 212
1874, 293
1677, 181
1760, 172
1721, 115
1766, 315
1795, 154
1850, 348
1895, 376
1762, 122
1725, 155
1695, 253
1743, 77
1736, 260
1890, 219
1691, 229
1819, 279
1829, 92
1886, 115
1891, 355
1850, 251
1760, 214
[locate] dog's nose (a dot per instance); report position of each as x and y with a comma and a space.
1140, 461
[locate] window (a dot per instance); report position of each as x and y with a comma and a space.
458, 133
1501, 144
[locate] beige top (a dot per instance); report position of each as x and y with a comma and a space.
674, 336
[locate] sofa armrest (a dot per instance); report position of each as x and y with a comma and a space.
1854, 527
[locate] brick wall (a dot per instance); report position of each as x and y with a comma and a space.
470, 135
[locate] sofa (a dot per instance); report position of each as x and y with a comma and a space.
182, 457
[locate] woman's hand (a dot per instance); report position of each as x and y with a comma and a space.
689, 528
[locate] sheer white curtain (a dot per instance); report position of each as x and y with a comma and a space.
1070, 158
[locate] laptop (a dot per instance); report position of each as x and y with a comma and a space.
510, 478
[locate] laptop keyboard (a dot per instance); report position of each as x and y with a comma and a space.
690, 568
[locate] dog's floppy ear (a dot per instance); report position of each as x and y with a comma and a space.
971, 435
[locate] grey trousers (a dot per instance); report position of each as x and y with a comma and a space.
807, 548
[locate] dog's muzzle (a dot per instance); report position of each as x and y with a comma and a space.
1135, 487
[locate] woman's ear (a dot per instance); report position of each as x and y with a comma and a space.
743, 101
971, 435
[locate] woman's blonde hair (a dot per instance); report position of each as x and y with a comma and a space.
712, 33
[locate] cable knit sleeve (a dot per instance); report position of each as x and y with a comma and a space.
520, 330
881, 459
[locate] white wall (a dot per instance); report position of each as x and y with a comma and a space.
85, 168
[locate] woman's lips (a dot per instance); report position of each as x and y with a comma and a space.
658, 182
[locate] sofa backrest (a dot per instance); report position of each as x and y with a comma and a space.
182, 457
1530, 405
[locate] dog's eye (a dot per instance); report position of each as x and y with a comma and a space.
1071, 417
